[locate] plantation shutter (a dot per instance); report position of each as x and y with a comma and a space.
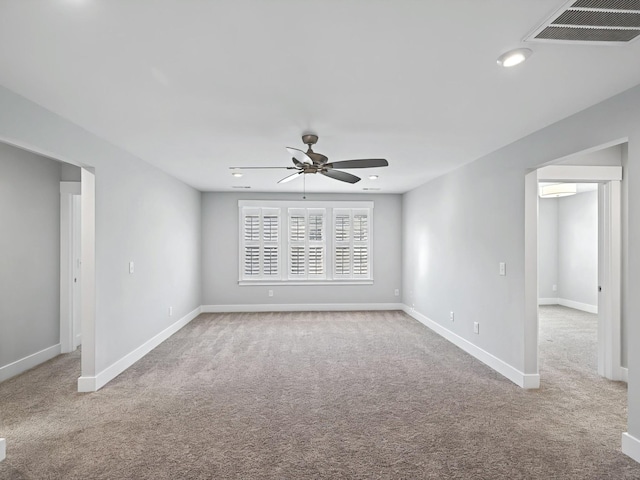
260, 238
342, 239
352, 243
270, 243
360, 244
317, 243
307, 243
297, 236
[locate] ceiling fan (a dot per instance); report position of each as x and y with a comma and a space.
312, 162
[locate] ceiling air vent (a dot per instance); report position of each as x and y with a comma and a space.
611, 22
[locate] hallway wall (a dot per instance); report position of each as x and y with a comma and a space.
29, 258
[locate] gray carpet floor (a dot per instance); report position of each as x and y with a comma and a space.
321, 395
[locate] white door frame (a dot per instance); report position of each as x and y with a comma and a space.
610, 281
86, 382
77, 291
609, 303
67, 191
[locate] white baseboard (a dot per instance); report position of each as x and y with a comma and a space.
3, 449
547, 301
631, 446
88, 384
92, 384
585, 307
524, 380
24, 364
301, 307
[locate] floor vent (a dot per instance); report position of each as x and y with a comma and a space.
611, 22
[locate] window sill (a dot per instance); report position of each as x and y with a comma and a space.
244, 283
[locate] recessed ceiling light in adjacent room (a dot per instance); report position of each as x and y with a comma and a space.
240, 186
237, 174
373, 177
514, 57
558, 190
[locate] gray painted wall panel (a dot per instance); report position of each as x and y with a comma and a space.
547, 247
220, 255
29, 254
578, 248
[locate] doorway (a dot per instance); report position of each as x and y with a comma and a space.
87, 307
568, 245
568, 277
609, 262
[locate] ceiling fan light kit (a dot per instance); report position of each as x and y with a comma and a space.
311, 162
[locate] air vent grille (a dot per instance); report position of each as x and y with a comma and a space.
598, 19
608, 4
587, 34
589, 21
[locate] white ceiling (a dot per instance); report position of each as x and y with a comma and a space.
195, 87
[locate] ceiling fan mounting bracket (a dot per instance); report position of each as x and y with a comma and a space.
309, 139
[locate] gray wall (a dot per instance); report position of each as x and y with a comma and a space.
547, 247
611, 156
70, 173
220, 255
29, 254
578, 248
142, 215
458, 227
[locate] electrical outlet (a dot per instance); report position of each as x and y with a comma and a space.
170, 311
476, 327
396, 292
503, 268
130, 267
554, 288
271, 293
451, 316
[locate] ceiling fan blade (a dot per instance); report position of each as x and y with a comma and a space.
298, 163
288, 178
364, 163
342, 176
260, 168
299, 155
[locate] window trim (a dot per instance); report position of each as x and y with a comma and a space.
284, 206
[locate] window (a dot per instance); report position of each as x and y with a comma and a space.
312, 242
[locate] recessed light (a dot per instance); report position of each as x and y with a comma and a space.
237, 174
239, 186
514, 57
369, 188
373, 177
